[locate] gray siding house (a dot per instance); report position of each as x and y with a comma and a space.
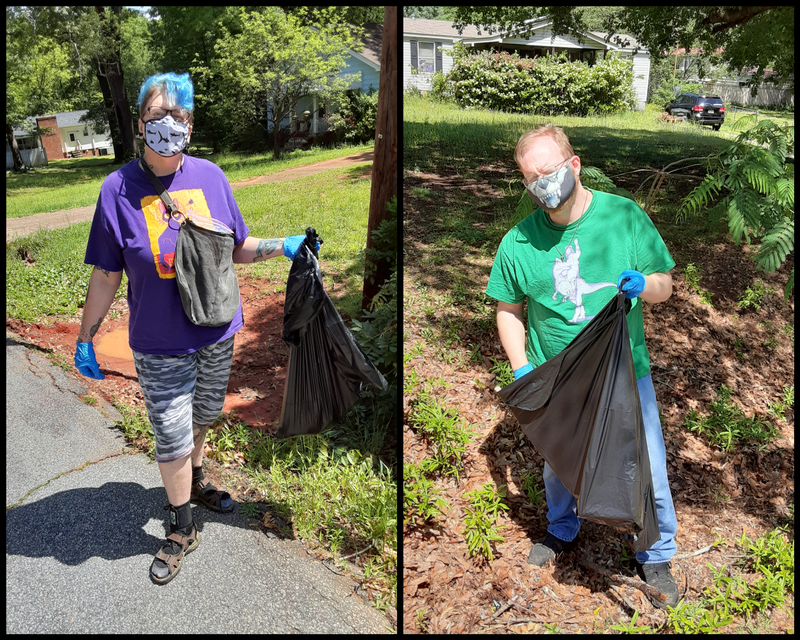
427, 45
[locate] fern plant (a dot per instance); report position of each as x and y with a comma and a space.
757, 185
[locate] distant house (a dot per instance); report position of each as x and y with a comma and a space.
308, 118
67, 138
427, 45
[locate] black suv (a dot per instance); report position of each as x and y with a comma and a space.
699, 108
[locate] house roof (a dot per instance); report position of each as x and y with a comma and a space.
444, 29
63, 119
373, 40
69, 118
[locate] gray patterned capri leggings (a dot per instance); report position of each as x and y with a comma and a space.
183, 392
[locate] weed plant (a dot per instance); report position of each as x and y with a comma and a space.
726, 424
480, 522
753, 296
421, 500
447, 433
692, 275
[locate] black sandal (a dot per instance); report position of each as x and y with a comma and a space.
205, 493
170, 557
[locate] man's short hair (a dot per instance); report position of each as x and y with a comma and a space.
556, 134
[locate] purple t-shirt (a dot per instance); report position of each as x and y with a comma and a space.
130, 232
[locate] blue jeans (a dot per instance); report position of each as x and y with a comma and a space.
561, 504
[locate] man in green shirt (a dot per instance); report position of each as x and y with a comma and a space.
566, 259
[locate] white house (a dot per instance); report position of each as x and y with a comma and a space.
427, 45
67, 138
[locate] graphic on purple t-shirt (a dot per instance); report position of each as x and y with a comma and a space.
133, 231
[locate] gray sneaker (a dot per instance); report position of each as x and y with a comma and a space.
547, 550
660, 577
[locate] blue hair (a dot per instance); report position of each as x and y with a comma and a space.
179, 89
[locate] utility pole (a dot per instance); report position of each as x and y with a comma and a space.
384, 166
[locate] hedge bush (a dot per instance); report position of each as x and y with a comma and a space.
550, 85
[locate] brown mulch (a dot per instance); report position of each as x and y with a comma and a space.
694, 349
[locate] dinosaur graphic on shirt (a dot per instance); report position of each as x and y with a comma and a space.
570, 285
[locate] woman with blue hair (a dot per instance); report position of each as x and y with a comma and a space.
183, 368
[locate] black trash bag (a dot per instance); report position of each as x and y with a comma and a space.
581, 411
327, 369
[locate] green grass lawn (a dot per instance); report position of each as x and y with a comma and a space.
75, 182
335, 203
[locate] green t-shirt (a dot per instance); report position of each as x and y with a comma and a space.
565, 290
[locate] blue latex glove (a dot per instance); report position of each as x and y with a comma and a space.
634, 283
518, 373
292, 244
85, 361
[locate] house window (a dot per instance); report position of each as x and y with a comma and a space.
426, 62
86, 132
72, 137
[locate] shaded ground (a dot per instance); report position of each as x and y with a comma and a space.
450, 341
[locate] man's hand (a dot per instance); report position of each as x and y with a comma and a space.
518, 373
85, 362
633, 283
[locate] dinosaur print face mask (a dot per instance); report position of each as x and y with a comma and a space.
550, 191
166, 136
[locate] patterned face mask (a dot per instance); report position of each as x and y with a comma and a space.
166, 136
550, 191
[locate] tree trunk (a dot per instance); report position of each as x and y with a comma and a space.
19, 165
110, 69
116, 137
276, 142
122, 111
384, 166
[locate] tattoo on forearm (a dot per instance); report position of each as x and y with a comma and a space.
93, 329
266, 247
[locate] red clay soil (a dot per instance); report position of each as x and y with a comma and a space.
258, 372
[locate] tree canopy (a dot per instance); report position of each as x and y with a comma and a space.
750, 39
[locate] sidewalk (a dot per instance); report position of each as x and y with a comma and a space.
16, 227
85, 516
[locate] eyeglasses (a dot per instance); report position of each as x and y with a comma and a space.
156, 113
545, 177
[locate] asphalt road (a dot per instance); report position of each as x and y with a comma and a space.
85, 516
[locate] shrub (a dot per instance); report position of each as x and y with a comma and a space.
549, 85
356, 117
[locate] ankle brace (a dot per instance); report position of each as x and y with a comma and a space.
197, 474
180, 517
